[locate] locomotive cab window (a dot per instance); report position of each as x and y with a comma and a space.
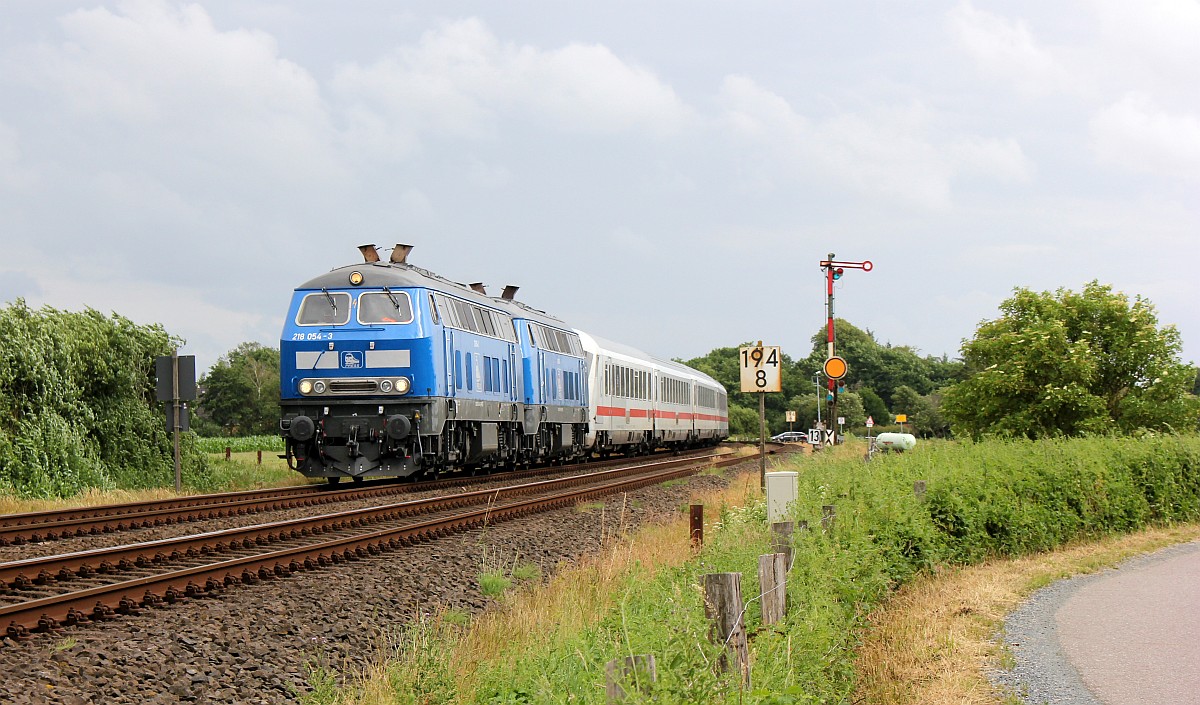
387, 307
325, 308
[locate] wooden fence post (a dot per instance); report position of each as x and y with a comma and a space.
772, 580
828, 516
260, 457
697, 516
781, 540
723, 608
227, 452
637, 670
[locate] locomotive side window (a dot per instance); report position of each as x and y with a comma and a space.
433, 310
327, 308
387, 307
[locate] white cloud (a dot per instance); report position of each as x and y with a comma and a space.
1003, 160
14, 174
890, 150
1006, 49
218, 100
1135, 133
460, 80
490, 176
1162, 33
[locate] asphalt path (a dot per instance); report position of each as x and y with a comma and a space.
1119, 637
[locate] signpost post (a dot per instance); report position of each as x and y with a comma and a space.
761, 373
791, 418
176, 383
870, 440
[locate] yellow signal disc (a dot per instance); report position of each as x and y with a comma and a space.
835, 368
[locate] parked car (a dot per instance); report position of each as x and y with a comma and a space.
790, 437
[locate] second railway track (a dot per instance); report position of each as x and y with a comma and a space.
47, 593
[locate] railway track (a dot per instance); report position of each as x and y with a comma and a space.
46, 594
36, 527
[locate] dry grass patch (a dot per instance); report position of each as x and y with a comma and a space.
90, 498
932, 641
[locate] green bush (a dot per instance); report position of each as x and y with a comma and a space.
77, 405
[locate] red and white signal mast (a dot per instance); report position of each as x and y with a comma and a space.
835, 368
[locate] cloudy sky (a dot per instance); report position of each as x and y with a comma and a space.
666, 174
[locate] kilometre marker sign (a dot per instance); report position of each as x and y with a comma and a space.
761, 368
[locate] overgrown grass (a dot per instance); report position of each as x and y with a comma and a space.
494, 584
242, 471
983, 500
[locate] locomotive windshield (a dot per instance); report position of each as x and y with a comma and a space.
388, 307
324, 309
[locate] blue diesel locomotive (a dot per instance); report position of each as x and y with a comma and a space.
391, 370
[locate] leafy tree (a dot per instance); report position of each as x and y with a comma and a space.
882, 368
1069, 363
805, 407
241, 392
77, 404
924, 412
850, 407
873, 405
743, 421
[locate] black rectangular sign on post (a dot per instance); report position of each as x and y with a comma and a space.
176, 383
184, 418
165, 374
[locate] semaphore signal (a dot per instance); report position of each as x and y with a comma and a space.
835, 368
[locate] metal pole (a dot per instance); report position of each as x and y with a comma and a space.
762, 440
817, 381
833, 384
175, 417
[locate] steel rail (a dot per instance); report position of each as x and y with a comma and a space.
47, 613
34, 527
16, 575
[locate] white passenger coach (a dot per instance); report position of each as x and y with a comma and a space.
638, 402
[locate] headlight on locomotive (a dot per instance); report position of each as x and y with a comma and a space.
403, 385
306, 386
319, 387
385, 386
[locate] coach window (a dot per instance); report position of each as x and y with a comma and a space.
388, 307
327, 308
